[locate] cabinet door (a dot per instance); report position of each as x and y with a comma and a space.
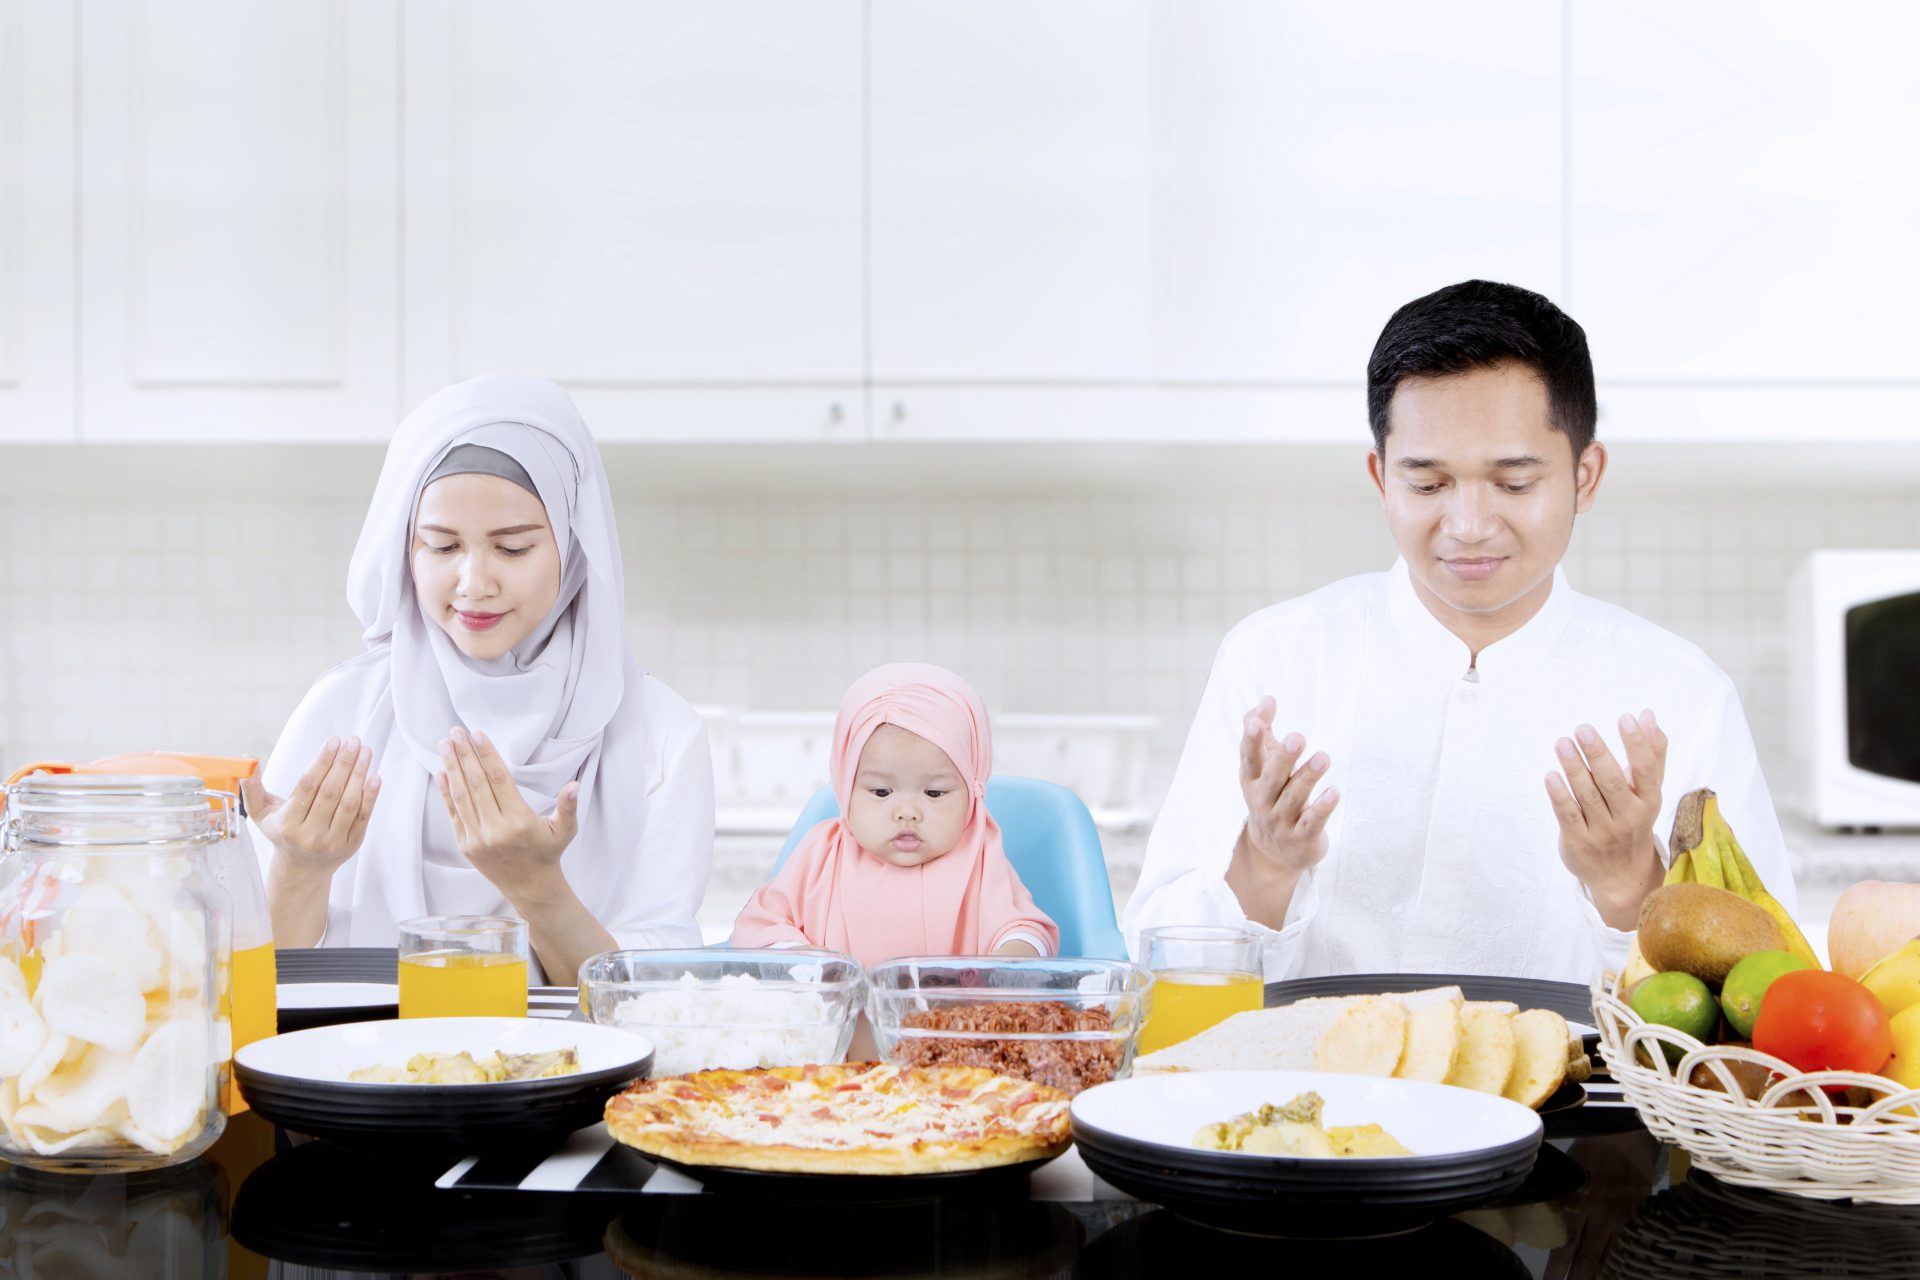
1321, 164
239, 202
1745, 213
1011, 196
37, 76
657, 204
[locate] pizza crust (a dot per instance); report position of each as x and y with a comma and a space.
677, 1118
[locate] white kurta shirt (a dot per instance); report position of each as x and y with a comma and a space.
1444, 850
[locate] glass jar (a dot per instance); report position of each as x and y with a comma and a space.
251, 981
115, 944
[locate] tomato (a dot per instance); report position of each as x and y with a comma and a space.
1821, 1021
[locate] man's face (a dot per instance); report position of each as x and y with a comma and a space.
1480, 491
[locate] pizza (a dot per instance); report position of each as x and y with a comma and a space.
855, 1118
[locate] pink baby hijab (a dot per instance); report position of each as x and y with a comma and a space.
832, 893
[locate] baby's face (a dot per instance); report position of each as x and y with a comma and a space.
909, 802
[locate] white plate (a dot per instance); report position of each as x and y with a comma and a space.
336, 995
331, 1054
1428, 1119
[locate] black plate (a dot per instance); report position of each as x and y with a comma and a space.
298, 965
433, 1121
1328, 1207
855, 1188
337, 964
1562, 1100
1568, 999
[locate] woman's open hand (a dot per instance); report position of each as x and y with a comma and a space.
321, 824
498, 831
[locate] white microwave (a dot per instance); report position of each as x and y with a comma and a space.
1853, 652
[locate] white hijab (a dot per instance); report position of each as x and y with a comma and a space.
553, 706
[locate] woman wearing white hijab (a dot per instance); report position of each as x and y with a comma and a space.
522, 762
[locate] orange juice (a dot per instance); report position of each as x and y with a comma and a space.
463, 984
255, 1007
1188, 1001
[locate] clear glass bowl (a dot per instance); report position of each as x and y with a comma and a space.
726, 1007
1069, 1023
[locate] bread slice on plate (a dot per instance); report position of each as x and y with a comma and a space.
1280, 1039
1433, 1043
1539, 1057
1367, 1038
1486, 1052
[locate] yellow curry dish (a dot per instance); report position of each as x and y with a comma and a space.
1294, 1129
464, 1068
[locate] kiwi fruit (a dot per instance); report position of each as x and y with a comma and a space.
1704, 931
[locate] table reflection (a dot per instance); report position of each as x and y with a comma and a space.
111, 1227
1708, 1228
702, 1236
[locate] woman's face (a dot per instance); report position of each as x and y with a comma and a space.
909, 803
486, 566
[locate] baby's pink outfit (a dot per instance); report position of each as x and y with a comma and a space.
831, 893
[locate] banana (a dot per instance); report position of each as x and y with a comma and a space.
1681, 872
1756, 889
1704, 845
1720, 836
1637, 969
1691, 837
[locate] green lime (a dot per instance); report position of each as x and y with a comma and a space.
1747, 984
1681, 1001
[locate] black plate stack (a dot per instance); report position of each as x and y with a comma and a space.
1279, 1196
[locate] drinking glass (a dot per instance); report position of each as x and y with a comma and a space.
463, 966
1202, 974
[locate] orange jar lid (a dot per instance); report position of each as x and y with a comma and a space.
217, 773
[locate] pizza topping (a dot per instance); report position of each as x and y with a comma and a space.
886, 1109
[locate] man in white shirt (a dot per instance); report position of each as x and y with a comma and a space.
1460, 765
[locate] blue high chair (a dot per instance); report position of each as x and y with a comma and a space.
1050, 839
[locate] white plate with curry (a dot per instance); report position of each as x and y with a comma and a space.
1158, 1137
430, 1086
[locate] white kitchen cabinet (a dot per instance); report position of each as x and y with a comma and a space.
1321, 164
1011, 214
238, 221
37, 78
657, 204
1745, 210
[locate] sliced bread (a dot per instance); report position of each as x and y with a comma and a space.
1539, 1057
1366, 1038
1486, 1052
1433, 1043
1280, 1039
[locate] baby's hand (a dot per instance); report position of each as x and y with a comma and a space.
1016, 947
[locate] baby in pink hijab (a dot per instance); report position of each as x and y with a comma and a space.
913, 865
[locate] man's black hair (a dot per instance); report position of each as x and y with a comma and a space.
1478, 324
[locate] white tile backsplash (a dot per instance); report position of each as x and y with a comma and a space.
149, 604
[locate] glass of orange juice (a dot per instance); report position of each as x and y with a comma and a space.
1202, 974
463, 966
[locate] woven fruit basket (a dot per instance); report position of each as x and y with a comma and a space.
1795, 1137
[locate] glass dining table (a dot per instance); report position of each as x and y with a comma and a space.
1604, 1199
267, 1203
